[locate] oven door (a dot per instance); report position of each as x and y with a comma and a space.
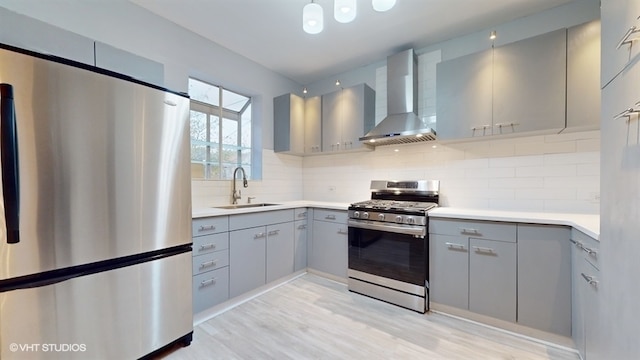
393, 251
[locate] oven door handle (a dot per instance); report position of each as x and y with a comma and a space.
418, 231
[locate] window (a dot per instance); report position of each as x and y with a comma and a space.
220, 135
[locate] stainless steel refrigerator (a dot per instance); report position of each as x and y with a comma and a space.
95, 212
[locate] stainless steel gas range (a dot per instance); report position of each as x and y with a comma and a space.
388, 242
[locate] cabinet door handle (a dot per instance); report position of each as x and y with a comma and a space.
259, 235
303, 214
469, 231
625, 38
342, 232
589, 251
208, 282
483, 127
208, 264
589, 279
207, 246
454, 246
206, 228
301, 227
330, 217
484, 250
274, 232
578, 244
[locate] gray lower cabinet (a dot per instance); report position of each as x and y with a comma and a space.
585, 276
544, 278
210, 262
329, 244
492, 278
300, 231
449, 270
261, 249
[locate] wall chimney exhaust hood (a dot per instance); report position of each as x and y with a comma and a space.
402, 125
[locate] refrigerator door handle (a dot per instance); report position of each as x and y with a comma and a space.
9, 159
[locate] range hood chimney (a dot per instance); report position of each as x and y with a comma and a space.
402, 124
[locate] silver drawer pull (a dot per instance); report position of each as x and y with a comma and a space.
274, 232
208, 246
578, 244
206, 228
330, 217
589, 279
483, 127
301, 227
259, 235
484, 250
208, 264
501, 125
469, 231
342, 232
625, 39
589, 251
455, 246
303, 214
208, 282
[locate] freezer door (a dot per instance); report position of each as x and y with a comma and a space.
103, 163
119, 314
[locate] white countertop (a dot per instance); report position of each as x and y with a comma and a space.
588, 224
282, 205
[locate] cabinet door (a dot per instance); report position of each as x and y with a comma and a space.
330, 248
358, 115
530, 84
544, 278
583, 76
288, 124
247, 257
492, 278
280, 249
593, 329
577, 299
449, 270
331, 115
312, 125
618, 16
300, 245
464, 96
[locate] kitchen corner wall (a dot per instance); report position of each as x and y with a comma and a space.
547, 173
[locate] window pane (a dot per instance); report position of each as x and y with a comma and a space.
214, 130
233, 101
204, 92
229, 132
198, 125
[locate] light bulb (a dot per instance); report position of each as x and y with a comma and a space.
383, 5
344, 11
492, 36
312, 18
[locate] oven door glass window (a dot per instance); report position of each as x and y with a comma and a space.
391, 255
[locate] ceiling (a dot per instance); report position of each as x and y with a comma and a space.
270, 33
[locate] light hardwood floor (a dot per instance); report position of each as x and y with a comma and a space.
315, 318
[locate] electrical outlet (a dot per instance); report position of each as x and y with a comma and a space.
332, 188
594, 197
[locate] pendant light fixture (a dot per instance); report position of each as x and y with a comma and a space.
312, 18
383, 5
344, 11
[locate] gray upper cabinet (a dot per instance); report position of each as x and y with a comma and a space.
289, 122
530, 84
463, 103
313, 125
544, 278
583, 76
347, 115
618, 17
124, 62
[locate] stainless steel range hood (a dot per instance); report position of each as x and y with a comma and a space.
402, 125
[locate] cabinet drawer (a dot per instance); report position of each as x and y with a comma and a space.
330, 215
208, 262
263, 218
589, 246
474, 229
210, 288
210, 225
300, 213
210, 243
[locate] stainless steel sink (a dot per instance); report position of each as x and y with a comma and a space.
244, 206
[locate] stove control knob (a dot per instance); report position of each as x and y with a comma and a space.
381, 217
399, 219
356, 214
411, 220
365, 215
